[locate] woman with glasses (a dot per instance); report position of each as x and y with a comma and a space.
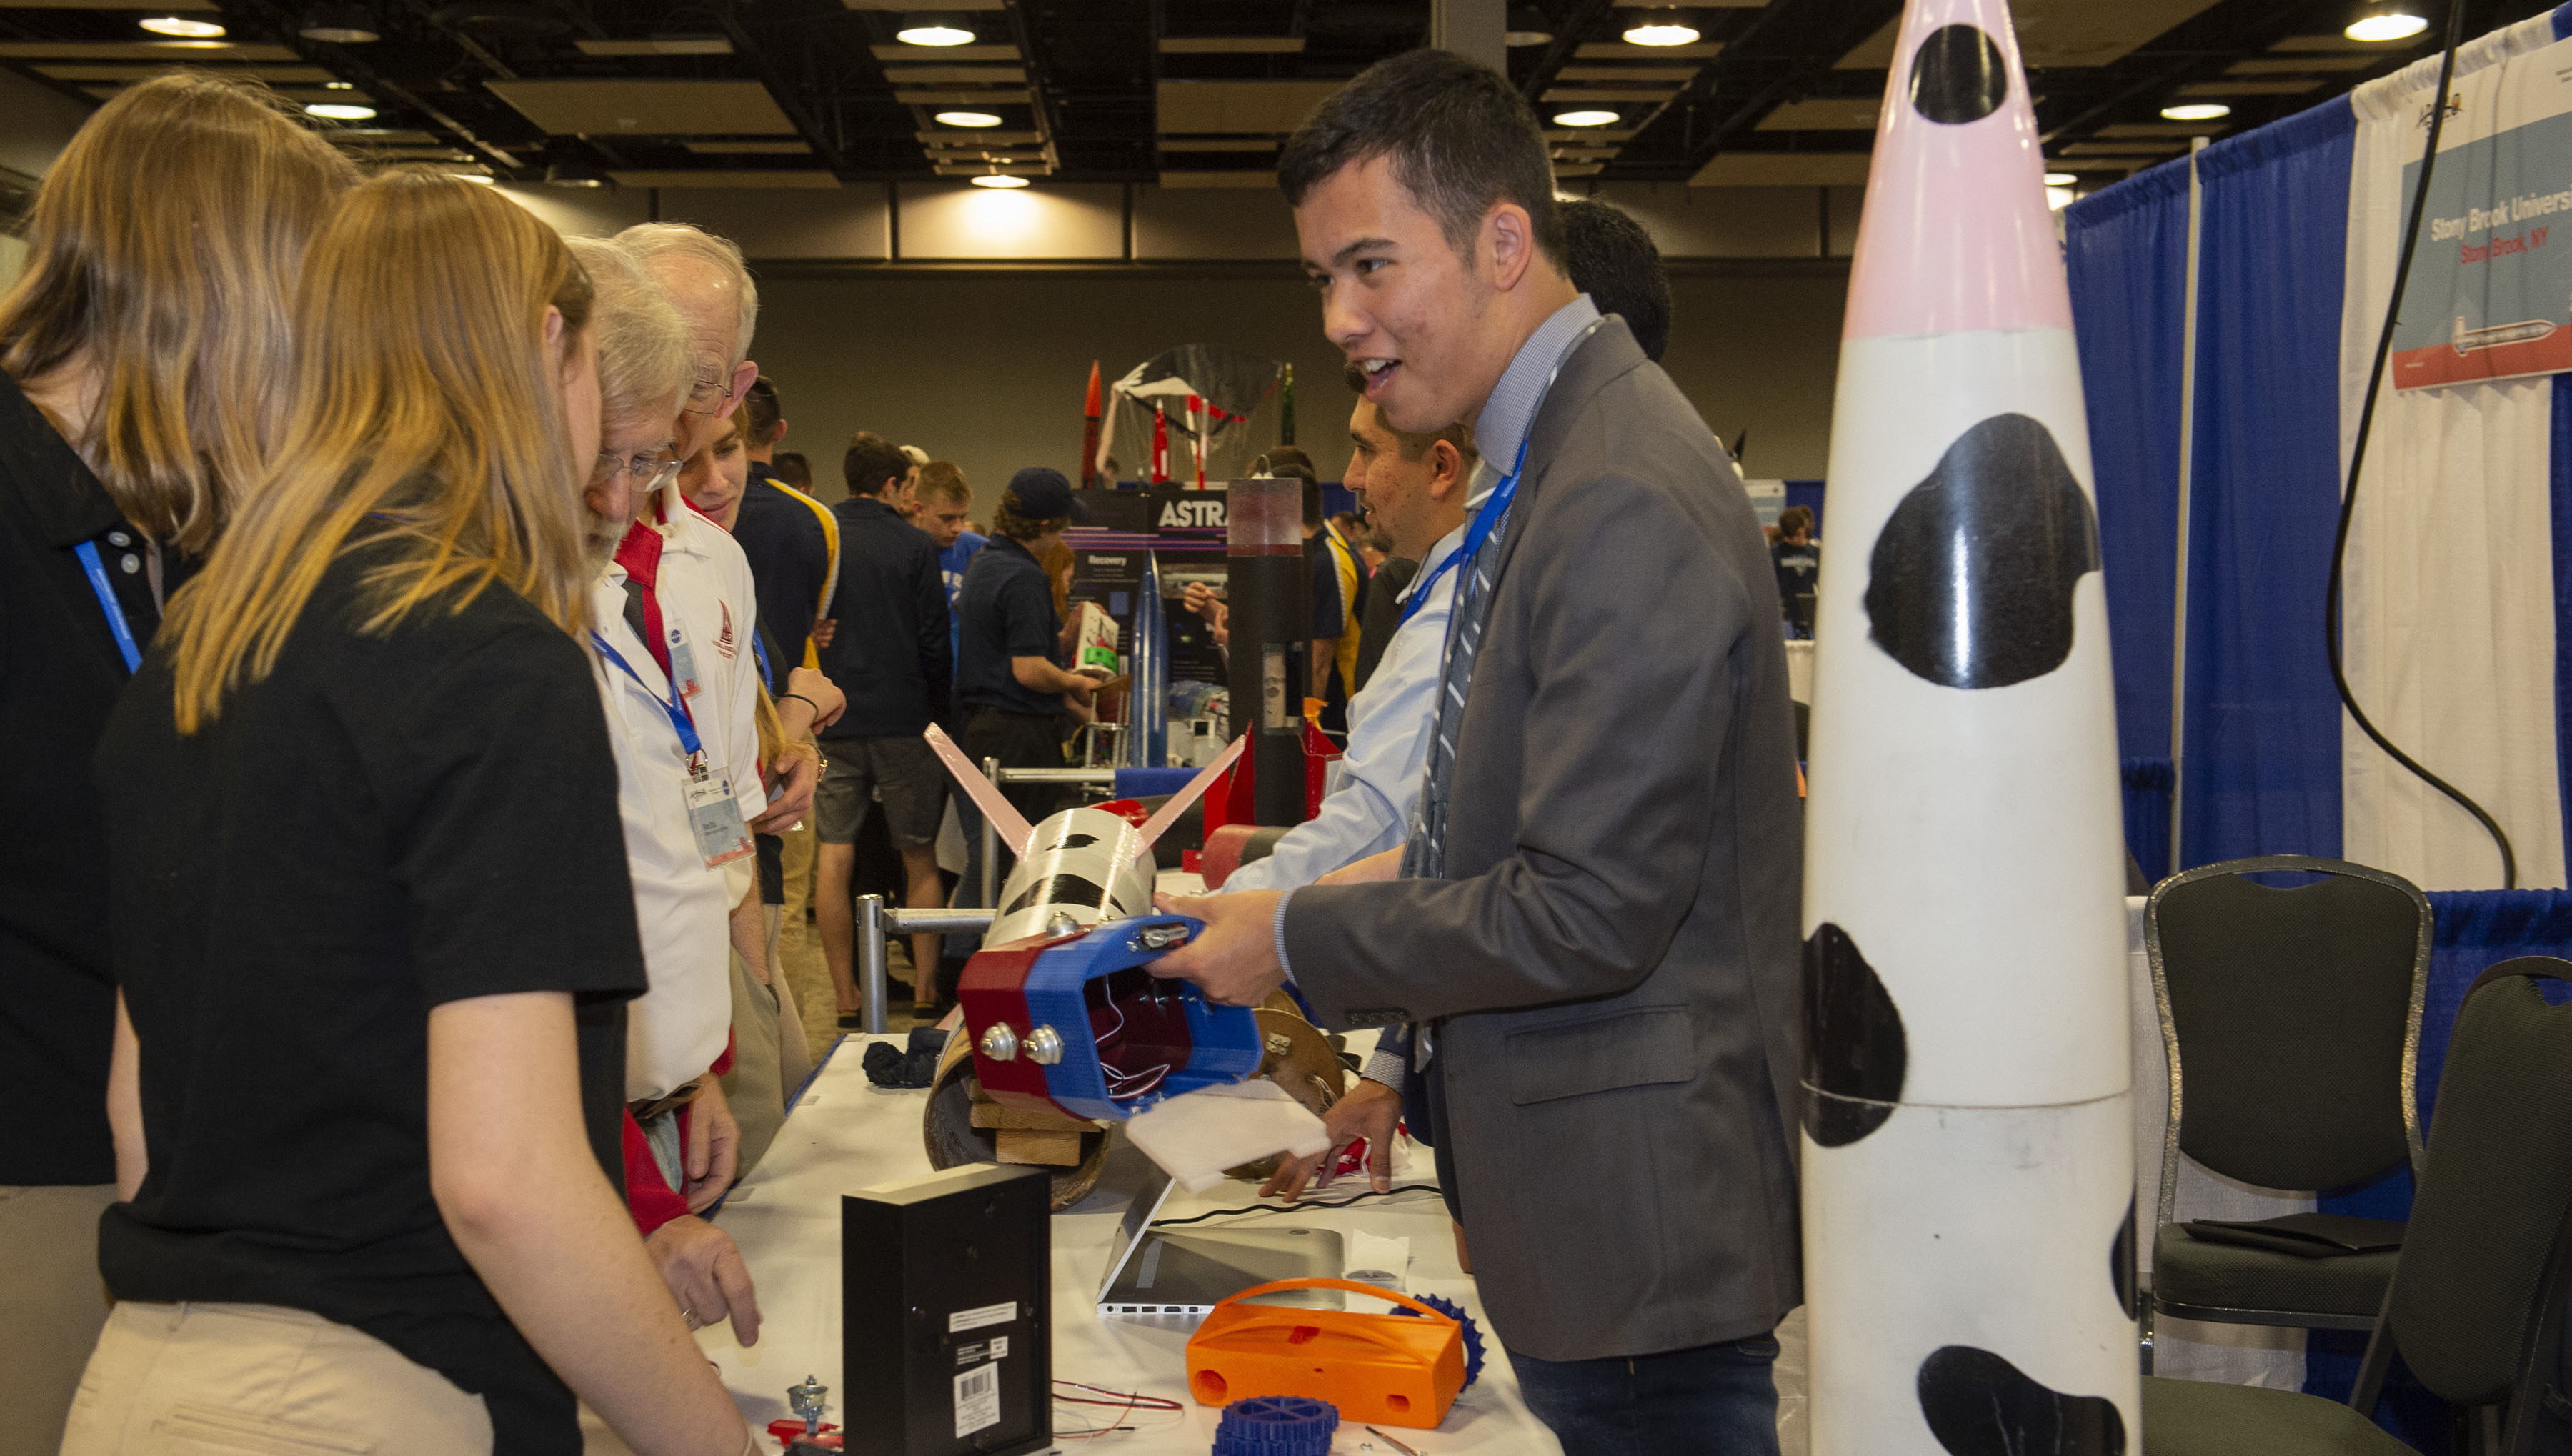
375, 928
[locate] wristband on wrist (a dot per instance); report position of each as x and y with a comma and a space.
799, 697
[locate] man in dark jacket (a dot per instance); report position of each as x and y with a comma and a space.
890, 655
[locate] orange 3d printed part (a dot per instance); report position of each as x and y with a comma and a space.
1388, 1368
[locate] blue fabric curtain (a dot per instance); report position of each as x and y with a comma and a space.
2262, 775
2127, 250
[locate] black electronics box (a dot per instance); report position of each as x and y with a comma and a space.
946, 1314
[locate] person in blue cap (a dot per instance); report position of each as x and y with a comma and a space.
1010, 682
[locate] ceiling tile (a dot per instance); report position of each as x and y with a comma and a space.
1620, 51
1232, 45
2300, 65
750, 149
2250, 88
946, 53
694, 45
202, 51
1558, 95
1783, 169
646, 108
1626, 72
307, 75
1271, 108
1240, 180
1824, 116
710, 178
956, 75
2063, 32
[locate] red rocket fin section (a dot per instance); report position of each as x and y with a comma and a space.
1179, 802
1006, 821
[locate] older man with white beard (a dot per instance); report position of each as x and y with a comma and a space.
677, 1035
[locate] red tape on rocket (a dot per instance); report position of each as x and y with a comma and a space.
1063, 1018
1968, 1174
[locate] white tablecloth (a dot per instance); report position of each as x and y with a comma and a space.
847, 1135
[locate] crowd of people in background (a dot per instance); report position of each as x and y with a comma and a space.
469, 678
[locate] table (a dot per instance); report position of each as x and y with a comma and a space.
846, 1133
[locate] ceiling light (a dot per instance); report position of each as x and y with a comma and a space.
1516, 39
173, 25
336, 110
1585, 118
2197, 110
998, 179
1660, 28
338, 85
2386, 23
2061, 179
1527, 26
969, 119
339, 25
934, 28
562, 174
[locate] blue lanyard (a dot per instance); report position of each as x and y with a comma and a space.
759, 651
677, 709
88, 553
1494, 507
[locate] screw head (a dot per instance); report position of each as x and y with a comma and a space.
1000, 1043
1161, 937
1044, 1045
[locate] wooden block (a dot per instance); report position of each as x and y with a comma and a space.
1000, 1114
1053, 1149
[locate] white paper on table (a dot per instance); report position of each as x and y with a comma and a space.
1195, 1135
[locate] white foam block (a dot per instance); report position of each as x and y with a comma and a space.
1195, 1135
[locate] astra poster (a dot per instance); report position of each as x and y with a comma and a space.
2491, 296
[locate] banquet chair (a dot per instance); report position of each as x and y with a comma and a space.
2482, 1272
2292, 1021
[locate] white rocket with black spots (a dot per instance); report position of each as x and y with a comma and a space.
1968, 1170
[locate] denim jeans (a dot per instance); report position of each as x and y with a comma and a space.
1713, 1400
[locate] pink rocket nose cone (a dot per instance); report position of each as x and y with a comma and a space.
1957, 235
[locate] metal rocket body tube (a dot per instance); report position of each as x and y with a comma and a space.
1968, 1173
1079, 867
1149, 693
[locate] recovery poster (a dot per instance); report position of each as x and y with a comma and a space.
2491, 296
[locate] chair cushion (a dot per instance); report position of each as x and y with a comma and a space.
2229, 1277
2209, 1418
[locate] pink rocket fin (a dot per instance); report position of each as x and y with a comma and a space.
1006, 821
1159, 823
1956, 236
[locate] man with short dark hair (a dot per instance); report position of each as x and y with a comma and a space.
1593, 926
1610, 258
792, 540
890, 655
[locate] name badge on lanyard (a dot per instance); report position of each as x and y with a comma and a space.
714, 815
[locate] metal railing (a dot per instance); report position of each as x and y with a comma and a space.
876, 920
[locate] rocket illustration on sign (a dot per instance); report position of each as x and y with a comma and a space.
1968, 1170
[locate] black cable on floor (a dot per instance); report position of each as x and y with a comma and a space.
2358, 459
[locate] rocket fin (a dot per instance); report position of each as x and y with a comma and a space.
1170, 813
1007, 821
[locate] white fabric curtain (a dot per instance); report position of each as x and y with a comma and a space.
2448, 611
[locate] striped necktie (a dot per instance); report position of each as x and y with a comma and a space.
1424, 855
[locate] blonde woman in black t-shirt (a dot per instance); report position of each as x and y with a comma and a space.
140, 352
375, 930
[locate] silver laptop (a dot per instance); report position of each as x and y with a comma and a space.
1182, 1274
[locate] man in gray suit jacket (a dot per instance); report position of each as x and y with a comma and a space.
1596, 921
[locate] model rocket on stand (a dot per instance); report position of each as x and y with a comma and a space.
1066, 1024
1968, 1171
